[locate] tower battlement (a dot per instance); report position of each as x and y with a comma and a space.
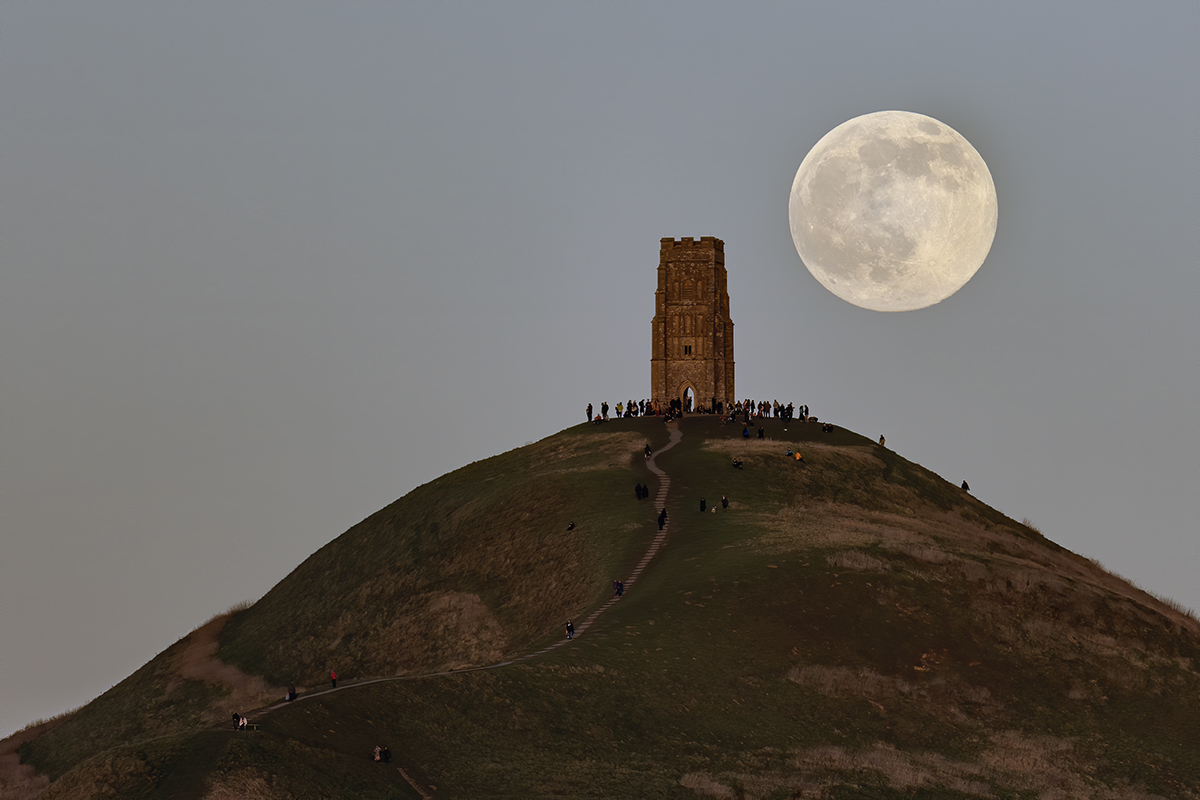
689, 243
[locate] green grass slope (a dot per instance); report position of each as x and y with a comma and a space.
852, 626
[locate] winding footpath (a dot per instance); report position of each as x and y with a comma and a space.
660, 501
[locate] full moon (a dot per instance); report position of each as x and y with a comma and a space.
893, 211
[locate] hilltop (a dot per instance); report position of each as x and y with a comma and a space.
851, 626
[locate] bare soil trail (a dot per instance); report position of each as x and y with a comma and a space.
664, 487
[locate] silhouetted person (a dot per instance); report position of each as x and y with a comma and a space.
965, 487
703, 506
724, 501
589, 412
762, 433
882, 441
237, 720
648, 451
386, 755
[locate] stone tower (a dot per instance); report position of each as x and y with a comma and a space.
691, 353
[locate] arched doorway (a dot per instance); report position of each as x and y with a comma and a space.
689, 399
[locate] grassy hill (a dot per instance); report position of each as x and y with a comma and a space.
853, 626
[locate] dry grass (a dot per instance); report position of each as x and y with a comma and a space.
1043, 767
245, 784
853, 559
865, 683
198, 661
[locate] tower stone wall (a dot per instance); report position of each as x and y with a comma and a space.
692, 343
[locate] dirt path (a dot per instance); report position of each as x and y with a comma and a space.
198, 661
660, 501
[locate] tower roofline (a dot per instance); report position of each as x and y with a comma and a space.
705, 242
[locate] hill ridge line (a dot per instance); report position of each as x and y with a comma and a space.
664, 486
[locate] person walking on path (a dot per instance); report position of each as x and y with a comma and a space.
333, 678
570, 630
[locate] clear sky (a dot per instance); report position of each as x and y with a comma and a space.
266, 267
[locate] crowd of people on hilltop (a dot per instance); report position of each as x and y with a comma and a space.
672, 409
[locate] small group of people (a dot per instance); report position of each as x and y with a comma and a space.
634, 408
641, 491
240, 721
724, 504
618, 589
383, 754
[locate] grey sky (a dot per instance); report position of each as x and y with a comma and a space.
267, 267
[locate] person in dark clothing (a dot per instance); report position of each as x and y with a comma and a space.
703, 505
385, 755
724, 501
237, 720
662, 519
965, 487
762, 433
648, 452
589, 412
571, 526
570, 630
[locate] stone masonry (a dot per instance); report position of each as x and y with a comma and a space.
692, 346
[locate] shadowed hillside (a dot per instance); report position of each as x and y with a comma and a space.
851, 626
